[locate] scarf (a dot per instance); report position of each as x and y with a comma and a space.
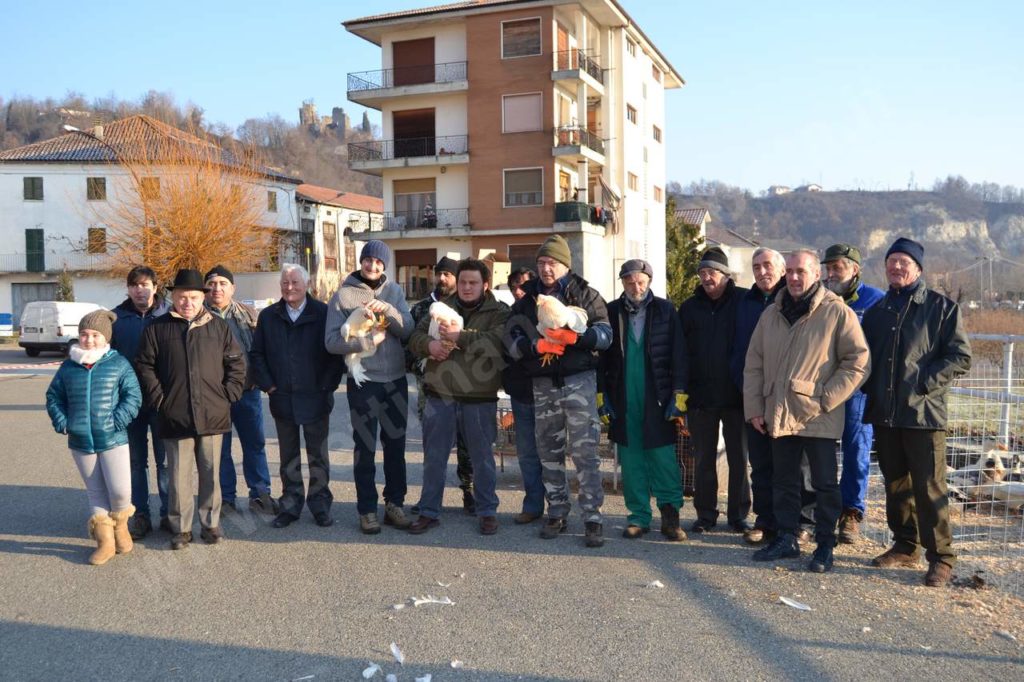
637, 311
87, 358
242, 319
794, 310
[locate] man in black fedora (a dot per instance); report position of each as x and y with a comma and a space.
191, 369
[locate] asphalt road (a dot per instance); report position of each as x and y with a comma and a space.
306, 603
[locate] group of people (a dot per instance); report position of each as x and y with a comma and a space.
783, 371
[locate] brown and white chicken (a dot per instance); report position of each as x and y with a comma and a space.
553, 314
360, 324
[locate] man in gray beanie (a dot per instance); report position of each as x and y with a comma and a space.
382, 403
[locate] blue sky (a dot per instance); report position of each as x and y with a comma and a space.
870, 95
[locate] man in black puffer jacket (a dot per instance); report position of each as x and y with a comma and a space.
709, 325
191, 369
642, 397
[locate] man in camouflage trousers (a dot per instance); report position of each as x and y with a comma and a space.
444, 286
563, 365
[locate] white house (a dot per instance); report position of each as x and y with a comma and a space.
52, 196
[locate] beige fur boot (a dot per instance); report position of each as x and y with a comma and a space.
122, 538
101, 529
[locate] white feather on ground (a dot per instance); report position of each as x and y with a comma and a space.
360, 324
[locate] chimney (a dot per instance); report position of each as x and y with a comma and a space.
97, 127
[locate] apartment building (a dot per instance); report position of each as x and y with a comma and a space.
506, 121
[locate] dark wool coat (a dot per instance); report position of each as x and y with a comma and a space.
291, 356
710, 331
190, 374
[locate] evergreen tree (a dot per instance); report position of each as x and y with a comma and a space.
65, 286
683, 246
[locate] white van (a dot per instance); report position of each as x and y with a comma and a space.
51, 325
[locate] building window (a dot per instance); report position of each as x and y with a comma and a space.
415, 204
272, 201
35, 252
33, 189
331, 247
632, 182
307, 225
524, 187
656, 73
523, 255
520, 38
97, 240
150, 188
631, 113
630, 47
657, 134
305, 208
657, 193
96, 189
522, 113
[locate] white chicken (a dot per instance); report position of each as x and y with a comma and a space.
553, 314
360, 324
442, 313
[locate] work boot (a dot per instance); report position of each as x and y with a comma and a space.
822, 559
122, 538
181, 540
552, 527
101, 529
211, 535
891, 558
468, 502
592, 536
938, 574
634, 532
139, 525
394, 516
369, 524
783, 547
849, 526
670, 523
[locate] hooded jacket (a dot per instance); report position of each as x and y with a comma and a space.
799, 376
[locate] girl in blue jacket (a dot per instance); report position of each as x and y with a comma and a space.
92, 398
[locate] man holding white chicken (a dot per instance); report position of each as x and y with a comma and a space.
461, 339
556, 332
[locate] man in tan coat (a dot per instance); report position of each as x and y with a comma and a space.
806, 358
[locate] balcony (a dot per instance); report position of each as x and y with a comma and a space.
424, 223
371, 88
52, 262
576, 216
576, 65
577, 142
376, 156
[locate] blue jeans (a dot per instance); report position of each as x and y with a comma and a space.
247, 418
385, 406
857, 438
477, 422
138, 449
529, 460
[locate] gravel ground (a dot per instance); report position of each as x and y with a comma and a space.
318, 604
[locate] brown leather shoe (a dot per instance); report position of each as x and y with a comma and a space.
523, 518
849, 526
634, 532
893, 559
938, 574
488, 525
422, 524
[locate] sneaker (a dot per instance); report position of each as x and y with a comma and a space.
468, 502
394, 516
181, 540
264, 504
938, 574
552, 527
369, 524
165, 525
700, 527
139, 525
783, 547
488, 525
422, 524
211, 536
634, 532
822, 559
894, 559
593, 534
849, 526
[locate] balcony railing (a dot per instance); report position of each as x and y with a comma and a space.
424, 219
568, 60
51, 262
384, 150
580, 212
576, 136
451, 72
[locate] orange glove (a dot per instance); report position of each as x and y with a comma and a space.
545, 347
566, 337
